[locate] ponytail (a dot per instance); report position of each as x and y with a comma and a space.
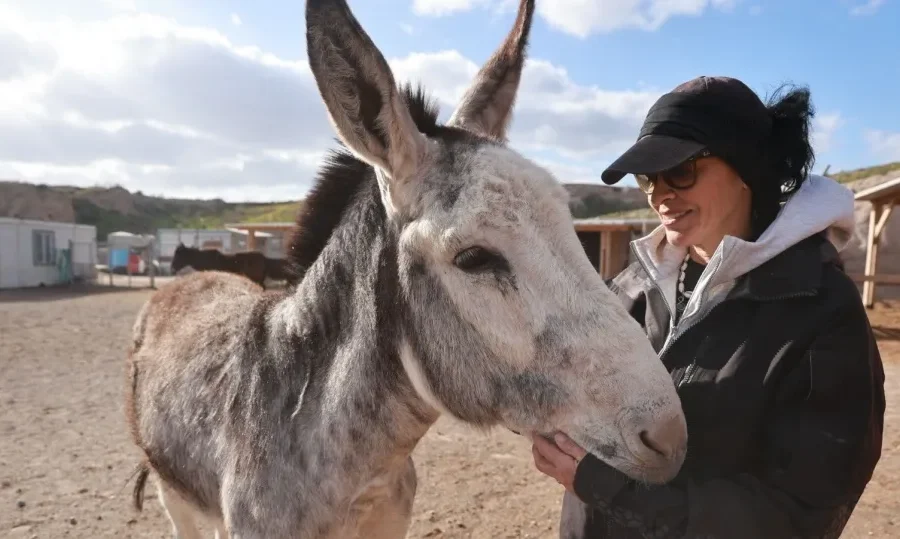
790, 155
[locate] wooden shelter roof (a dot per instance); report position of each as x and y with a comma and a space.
601, 224
262, 227
883, 192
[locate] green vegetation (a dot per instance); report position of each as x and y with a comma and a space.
639, 213
150, 214
860, 173
271, 213
594, 205
115, 208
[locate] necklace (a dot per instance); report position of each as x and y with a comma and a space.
682, 274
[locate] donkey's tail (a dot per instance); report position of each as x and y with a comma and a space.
137, 495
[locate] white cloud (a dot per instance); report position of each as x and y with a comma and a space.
152, 104
236, 19
582, 18
823, 130
884, 144
869, 8
552, 112
437, 8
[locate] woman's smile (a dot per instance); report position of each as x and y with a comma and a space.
675, 219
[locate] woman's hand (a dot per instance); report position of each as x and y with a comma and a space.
559, 460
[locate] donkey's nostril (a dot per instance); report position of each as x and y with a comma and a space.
666, 438
648, 441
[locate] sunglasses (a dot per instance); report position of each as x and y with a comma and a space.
680, 177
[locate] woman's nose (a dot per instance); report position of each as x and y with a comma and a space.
661, 192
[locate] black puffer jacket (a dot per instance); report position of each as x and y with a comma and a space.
781, 383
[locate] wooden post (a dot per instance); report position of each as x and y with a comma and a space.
869, 271
618, 252
604, 253
152, 269
877, 221
251, 240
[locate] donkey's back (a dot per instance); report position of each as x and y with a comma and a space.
188, 358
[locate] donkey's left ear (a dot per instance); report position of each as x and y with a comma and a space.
356, 83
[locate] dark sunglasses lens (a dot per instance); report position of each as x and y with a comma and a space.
682, 176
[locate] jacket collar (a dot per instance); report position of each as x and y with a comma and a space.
796, 271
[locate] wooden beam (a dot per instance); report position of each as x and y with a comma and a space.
619, 251
882, 221
598, 227
601, 259
877, 278
251, 240
871, 256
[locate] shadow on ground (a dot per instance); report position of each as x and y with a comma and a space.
59, 292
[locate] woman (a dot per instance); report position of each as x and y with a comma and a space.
742, 293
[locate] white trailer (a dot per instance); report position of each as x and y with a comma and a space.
31, 252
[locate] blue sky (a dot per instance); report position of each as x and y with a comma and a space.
212, 98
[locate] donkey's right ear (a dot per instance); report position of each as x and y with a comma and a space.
359, 91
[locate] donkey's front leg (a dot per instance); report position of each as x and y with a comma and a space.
389, 514
221, 530
261, 506
181, 514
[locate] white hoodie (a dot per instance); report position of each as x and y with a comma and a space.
821, 204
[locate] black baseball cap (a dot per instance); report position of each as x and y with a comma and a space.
719, 114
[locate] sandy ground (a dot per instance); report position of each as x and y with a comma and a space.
65, 458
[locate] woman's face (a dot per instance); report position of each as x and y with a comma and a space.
718, 204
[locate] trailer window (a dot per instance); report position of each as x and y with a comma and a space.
44, 247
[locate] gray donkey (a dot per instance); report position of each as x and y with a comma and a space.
440, 274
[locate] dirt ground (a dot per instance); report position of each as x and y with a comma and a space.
65, 458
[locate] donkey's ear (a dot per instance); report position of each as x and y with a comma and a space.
359, 91
487, 106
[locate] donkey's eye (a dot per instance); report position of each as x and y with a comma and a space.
478, 259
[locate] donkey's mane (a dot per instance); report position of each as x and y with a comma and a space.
340, 178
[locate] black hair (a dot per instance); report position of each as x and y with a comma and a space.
790, 153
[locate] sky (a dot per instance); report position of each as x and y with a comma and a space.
214, 98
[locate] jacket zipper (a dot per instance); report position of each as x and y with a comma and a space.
673, 327
673, 334
688, 373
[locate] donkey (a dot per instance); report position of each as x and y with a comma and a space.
441, 275
279, 269
251, 264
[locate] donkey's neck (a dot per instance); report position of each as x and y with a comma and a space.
344, 320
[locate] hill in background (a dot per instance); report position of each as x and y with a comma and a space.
113, 209
116, 208
867, 172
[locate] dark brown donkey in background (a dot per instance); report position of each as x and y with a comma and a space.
252, 264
